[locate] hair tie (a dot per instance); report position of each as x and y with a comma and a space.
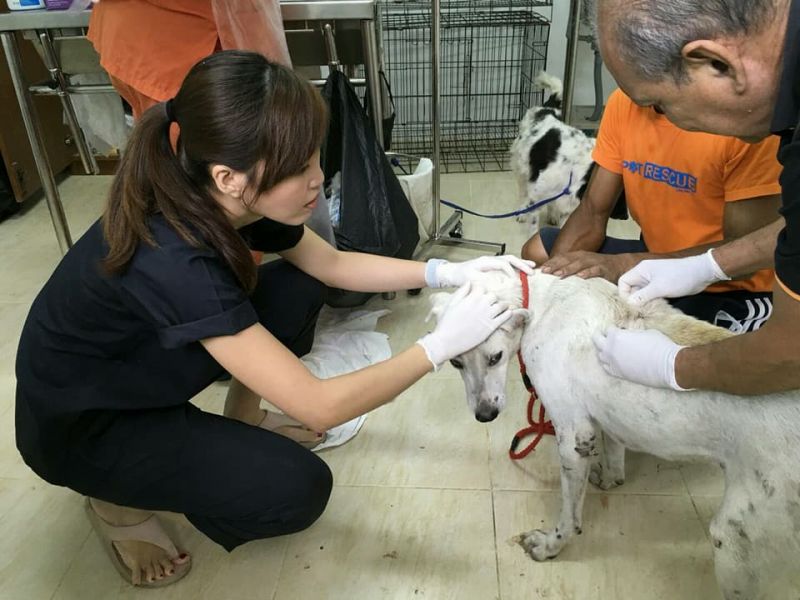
169, 109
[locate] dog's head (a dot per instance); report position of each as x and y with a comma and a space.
483, 369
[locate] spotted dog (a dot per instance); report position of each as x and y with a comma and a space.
546, 156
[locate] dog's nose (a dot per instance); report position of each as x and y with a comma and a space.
486, 415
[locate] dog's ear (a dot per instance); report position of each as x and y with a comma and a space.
439, 302
519, 316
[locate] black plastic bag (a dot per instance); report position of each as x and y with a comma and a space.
389, 113
8, 204
375, 216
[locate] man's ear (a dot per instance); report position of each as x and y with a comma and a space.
519, 316
439, 302
229, 182
721, 60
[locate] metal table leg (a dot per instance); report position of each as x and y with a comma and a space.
11, 49
60, 82
372, 68
573, 30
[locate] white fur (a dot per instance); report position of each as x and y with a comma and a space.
574, 156
756, 532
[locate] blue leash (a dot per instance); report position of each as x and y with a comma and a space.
522, 211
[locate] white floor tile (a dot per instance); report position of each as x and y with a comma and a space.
632, 548
391, 543
425, 497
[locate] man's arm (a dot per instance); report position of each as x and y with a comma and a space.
585, 228
751, 252
739, 220
764, 361
676, 277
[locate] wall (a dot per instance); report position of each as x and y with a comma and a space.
556, 56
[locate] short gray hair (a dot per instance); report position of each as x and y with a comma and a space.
650, 34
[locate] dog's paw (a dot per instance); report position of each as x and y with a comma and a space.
525, 218
586, 444
599, 478
541, 545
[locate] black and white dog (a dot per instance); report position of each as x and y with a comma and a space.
549, 156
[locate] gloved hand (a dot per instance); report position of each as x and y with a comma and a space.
440, 273
670, 278
470, 317
646, 357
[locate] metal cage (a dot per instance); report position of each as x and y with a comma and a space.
490, 53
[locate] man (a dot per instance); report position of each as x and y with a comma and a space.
730, 67
688, 191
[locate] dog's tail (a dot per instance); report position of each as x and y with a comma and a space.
553, 85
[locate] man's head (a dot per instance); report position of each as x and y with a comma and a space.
710, 66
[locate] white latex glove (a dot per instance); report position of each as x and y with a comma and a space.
470, 317
646, 357
440, 273
670, 278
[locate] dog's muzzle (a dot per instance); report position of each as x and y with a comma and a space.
486, 414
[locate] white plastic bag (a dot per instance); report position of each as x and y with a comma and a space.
346, 341
418, 188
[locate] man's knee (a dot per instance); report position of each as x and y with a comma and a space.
534, 250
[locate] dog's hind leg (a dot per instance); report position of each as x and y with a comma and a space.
610, 471
576, 447
754, 531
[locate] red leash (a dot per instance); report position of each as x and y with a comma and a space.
540, 427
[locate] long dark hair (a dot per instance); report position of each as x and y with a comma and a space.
235, 109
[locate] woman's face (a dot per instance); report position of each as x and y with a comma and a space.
292, 200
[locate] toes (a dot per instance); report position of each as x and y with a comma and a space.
167, 566
181, 559
149, 574
158, 570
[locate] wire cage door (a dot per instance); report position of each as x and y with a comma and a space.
490, 53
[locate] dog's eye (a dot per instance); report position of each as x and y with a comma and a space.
457, 363
495, 358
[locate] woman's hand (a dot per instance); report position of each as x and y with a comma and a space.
470, 317
440, 273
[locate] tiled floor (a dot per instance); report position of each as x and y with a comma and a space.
426, 500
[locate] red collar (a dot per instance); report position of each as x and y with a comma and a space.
523, 277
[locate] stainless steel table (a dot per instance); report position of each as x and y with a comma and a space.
42, 22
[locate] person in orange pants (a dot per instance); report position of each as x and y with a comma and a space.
148, 46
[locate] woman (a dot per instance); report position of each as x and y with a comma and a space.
161, 294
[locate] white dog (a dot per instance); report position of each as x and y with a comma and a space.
547, 156
756, 532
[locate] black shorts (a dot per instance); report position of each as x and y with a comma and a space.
738, 311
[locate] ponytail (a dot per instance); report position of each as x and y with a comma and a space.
150, 180
236, 109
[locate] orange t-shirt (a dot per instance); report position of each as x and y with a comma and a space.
677, 182
151, 44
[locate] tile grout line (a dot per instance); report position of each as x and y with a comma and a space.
69, 566
280, 571
502, 489
496, 553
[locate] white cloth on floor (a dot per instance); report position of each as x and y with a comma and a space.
345, 341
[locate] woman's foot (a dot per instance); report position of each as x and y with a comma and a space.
288, 427
281, 424
148, 563
242, 404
